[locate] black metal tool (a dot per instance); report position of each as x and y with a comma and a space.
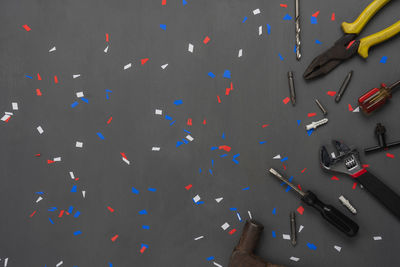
344, 86
291, 88
380, 132
348, 162
328, 212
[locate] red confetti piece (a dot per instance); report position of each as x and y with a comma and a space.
144, 60
189, 122
106, 37
350, 108
284, 166
333, 16
219, 99
335, 178
123, 155
265, 125
206, 40
204, 122
350, 44
109, 120
49, 161
114, 238
61, 213
331, 93
110, 209
39, 77
283, 5
300, 210
38, 93
302, 171
286, 100
55, 79
76, 179
315, 14
7, 120
226, 148
390, 155
37, 155
33, 213
67, 212
312, 114
26, 27
354, 185
142, 249
231, 232
299, 187
365, 165
163, 2
227, 91
188, 187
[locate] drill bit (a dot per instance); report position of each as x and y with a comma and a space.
293, 238
343, 87
291, 88
297, 20
321, 107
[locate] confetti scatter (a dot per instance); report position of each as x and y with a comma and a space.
100, 135
164, 66
26, 27
114, 238
383, 60
287, 17
377, 238
127, 66
196, 199
331, 93
286, 236
337, 248
198, 238
225, 226
79, 144
178, 102
190, 48
294, 259
311, 246
163, 26
301, 228
206, 40
300, 210
40, 129
259, 30
106, 49
256, 11
74, 76
240, 53
390, 155
286, 100
155, 148
59, 264
52, 49
219, 199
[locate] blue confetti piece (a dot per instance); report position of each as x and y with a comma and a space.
135, 191
383, 60
185, 141
172, 122
163, 26
178, 102
273, 234
77, 232
100, 135
268, 29
236, 161
309, 132
39, 193
280, 56
287, 17
84, 100
223, 135
244, 19
212, 163
210, 171
262, 142
246, 188
73, 190
295, 49
298, 122
214, 148
74, 104
27, 76
146, 227
184, 2
199, 202
284, 159
199, 170
212, 75
223, 155
168, 118
70, 209
77, 214
274, 211
152, 189
108, 91
235, 156
51, 221
210, 258
290, 178
110, 264
318, 41
314, 20
288, 188
227, 74
187, 131
311, 246
179, 143
52, 209
233, 209
143, 212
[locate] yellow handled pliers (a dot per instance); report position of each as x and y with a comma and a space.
349, 45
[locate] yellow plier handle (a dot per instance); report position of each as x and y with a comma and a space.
356, 27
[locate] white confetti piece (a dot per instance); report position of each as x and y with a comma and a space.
84, 194
277, 157
5, 262
164, 66
301, 228
217, 264
240, 53
376, 238
79, 94
40, 129
337, 248
52, 49
72, 175
155, 148
189, 137
294, 258
57, 159
219, 199
59, 264
190, 48
238, 215
5, 117
79, 144
126, 161
9, 113
286, 237
106, 49
357, 109
198, 238
75, 76
39, 199
196, 198
225, 226
256, 11
249, 214
14, 105
127, 66
259, 30
158, 112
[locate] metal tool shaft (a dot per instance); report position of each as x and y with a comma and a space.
280, 177
293, 237
343, 87
292, 90
321, 107
297, 21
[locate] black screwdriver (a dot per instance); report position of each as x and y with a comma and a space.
328, 212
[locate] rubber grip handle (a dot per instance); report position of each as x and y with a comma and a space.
332, 215
381, 191
367, 14
367, 42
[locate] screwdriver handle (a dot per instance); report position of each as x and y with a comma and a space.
331, 214
374, 99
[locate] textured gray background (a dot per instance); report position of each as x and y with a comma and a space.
77, 29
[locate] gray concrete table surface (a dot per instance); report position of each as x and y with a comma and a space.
78, 31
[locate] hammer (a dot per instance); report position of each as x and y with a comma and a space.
242, 255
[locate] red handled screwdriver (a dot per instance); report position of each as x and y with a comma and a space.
377, 97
